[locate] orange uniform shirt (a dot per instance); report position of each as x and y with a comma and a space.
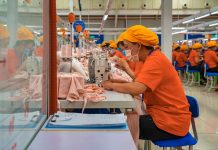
211, 58
192, 56
165, 98
39, 52
119, 54
13, 61
135, 67
174, 55
181, 59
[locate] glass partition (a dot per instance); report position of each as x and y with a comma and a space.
23, 103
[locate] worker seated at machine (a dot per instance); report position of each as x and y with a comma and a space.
114, 52
181, 58
210, 57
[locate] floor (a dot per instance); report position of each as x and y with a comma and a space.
207, 123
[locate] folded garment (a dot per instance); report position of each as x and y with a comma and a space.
64, 85
35, 85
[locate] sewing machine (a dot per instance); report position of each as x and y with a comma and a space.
98, 67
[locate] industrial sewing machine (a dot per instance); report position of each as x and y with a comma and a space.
98, 67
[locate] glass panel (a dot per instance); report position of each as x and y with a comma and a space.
23, 104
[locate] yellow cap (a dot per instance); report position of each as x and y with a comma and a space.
175, 46
24, 33
211, 44
197, 46
104, 43
141, 34
184, 47
113, 45
121, 37
41, 39
4, 33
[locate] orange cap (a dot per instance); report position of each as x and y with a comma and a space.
4, 33
175, 46
113, 45
184, 47
24, 33
41, 39
141, 34
197, 46
211, 44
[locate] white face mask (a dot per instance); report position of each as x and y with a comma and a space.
135, 57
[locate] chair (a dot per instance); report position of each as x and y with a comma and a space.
187, 140
179, 69
191, 75
211, 78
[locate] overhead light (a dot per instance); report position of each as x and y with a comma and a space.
105, 17
214, 24
202, 16
215, 12
183, 31
188, 21
178, 28
36, 32
5, 25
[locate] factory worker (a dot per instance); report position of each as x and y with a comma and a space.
23, 48
168, 114
113, 52
181, 57
105, 45
194, 57
39, 49
4, 41
120, 44
175, 52
210, 57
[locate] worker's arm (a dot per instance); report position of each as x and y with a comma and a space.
133, 88
197, 60
118, 81
125, 66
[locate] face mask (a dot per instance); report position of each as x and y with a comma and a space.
135, 57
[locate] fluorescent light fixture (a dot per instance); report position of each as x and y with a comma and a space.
105, 17
202, 16
5, 25
183, 31
215, 12
36, 32
188, 21
213, 38
214, 24
178, 28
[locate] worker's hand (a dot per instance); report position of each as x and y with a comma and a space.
107, 85
121, 63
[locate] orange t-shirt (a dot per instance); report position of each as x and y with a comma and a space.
165, 98
211, 58
181, 59
135, 67
119, 54
13, 61
174, 54
193, 54
39, 52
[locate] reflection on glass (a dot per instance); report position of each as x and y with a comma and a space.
21, 73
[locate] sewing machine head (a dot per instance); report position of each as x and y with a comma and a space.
98, 67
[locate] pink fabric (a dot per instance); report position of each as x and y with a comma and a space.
35, 85
72, 87
64, 85
66, 51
